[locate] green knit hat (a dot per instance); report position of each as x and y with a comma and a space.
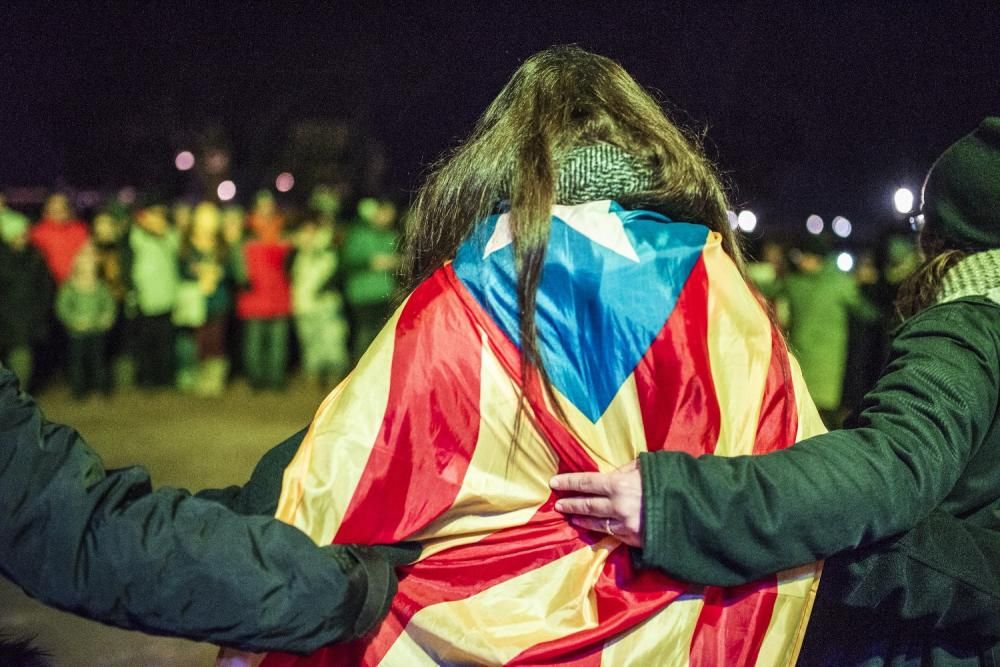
962, 191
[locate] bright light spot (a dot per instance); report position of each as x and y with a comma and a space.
184, 160
226, 190
903, 200
845, 261
733, 220
917, 222
284, 182
746, 221
814, 224
841, 226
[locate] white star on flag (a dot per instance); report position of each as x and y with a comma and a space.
593, 219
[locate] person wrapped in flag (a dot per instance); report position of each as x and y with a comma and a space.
578, 298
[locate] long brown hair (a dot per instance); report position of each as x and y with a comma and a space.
558, 99
920, 288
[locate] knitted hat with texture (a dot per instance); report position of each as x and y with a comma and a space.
962, 191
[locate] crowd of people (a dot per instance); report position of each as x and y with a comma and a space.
186, 295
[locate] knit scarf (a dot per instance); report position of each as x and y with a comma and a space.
600, 171
976, 275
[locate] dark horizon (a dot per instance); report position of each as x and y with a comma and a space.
806, 109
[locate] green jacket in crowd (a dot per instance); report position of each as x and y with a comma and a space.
923, 457
85, 311
820, 306
365, 285
153, 273
104, 545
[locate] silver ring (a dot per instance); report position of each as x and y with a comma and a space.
607, 527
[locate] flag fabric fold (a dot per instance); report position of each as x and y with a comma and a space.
652, 340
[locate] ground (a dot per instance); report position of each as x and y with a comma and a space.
184, 441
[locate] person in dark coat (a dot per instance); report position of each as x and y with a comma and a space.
213, 567
25, 294
905, 503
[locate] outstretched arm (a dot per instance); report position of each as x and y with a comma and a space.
943, 575
729, 520
732, 521
106, 546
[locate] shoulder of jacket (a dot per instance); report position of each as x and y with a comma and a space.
967, 317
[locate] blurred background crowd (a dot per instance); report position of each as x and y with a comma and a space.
192, 293
231, 180
187, 294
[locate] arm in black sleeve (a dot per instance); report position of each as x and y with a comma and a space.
943, 576
104, 545
727, 521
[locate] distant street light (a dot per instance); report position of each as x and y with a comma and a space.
284, 182
841, 226
226, 190
814, 224
902, 200
184, 161
747, 221
845, 261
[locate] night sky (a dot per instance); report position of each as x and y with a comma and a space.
823, 108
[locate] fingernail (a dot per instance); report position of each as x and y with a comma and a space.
554, 482
559, 506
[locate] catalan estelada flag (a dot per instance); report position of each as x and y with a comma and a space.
652, 341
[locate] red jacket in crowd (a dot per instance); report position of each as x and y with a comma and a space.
270, 293
59, 242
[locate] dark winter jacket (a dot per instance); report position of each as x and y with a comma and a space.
104, 545
25, 296
922, 457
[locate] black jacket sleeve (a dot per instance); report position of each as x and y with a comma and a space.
725, 521
104, 545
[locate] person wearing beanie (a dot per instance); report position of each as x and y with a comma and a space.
962, 192
904, 504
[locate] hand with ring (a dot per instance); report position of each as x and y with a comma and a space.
608, 503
